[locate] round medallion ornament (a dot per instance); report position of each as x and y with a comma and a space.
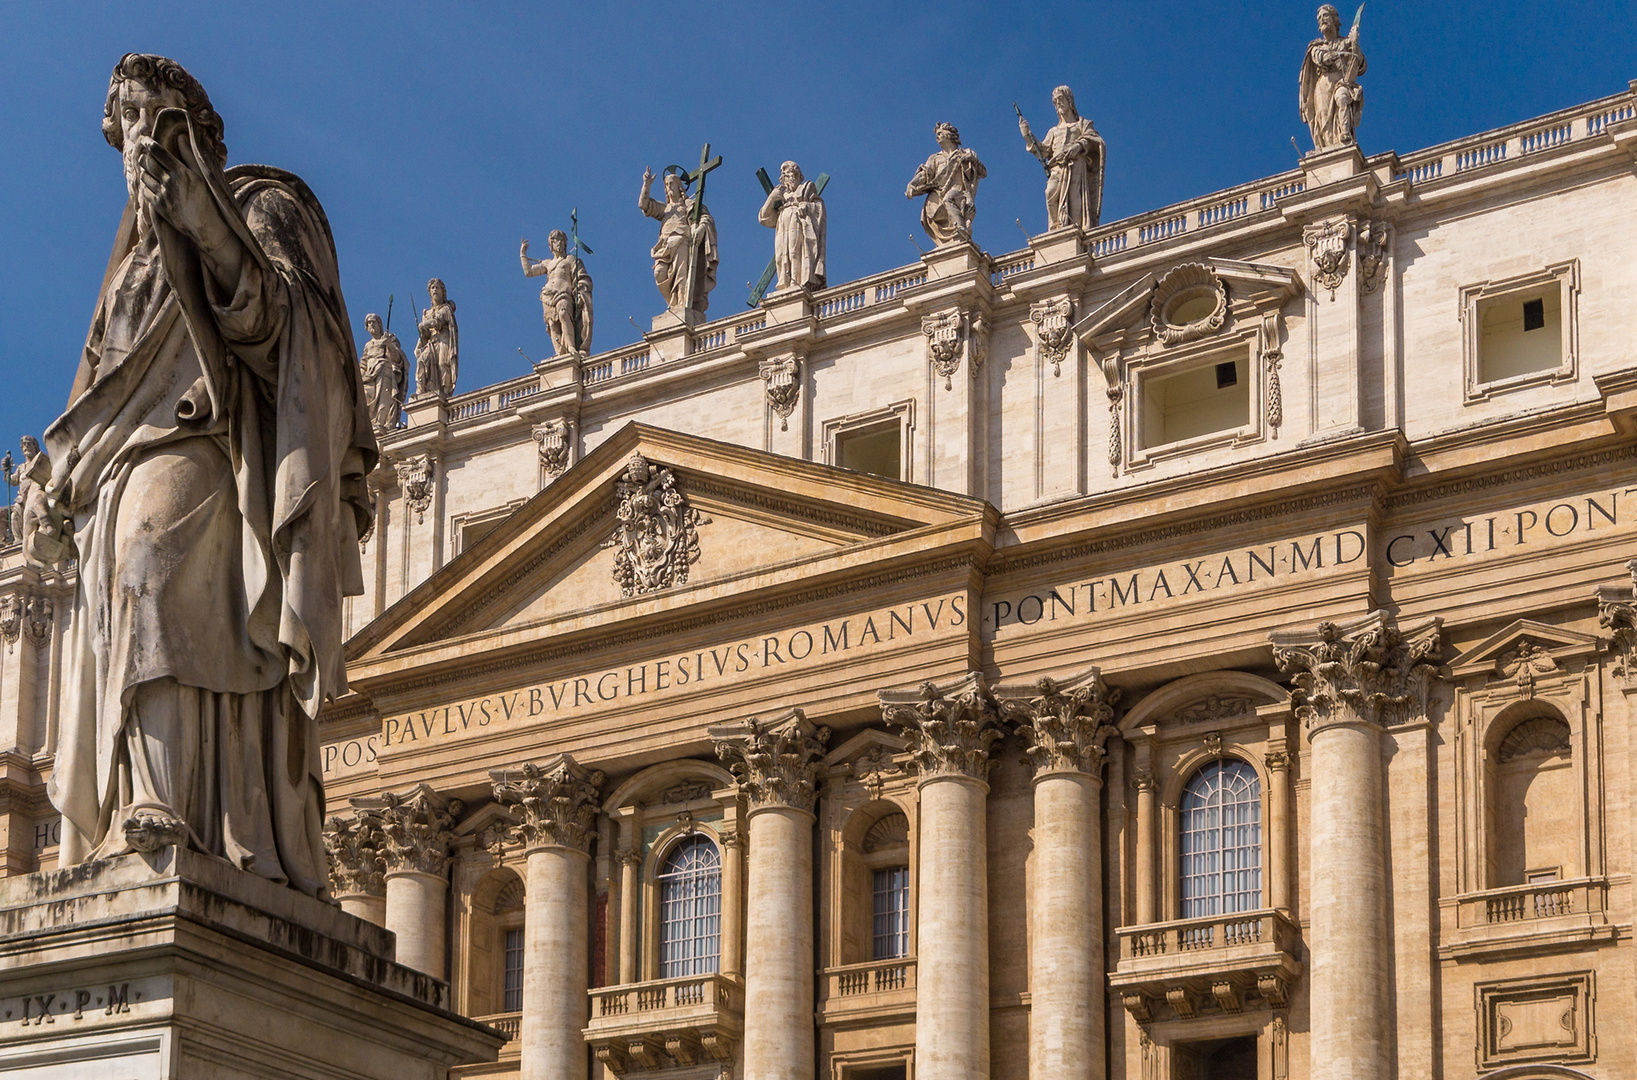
1189, 303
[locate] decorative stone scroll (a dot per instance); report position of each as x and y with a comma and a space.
782, 377
1054, 332
1190, 302
943, 344
1327, 246
415, 826
657, 538
1114, 376
1372, 254
776, 762
1366, 670
415, 478
1066, 723
554, 438
950, 728
357, 865
11, 619
555, 802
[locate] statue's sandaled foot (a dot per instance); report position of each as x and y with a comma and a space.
149, 830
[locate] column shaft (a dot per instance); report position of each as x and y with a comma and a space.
415, 907
369, 908
555, 966
630, 895
1148, 824
732, 905
779, 946
1279, 834
1066, 1017
952, 995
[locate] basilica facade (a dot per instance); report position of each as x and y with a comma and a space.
1194, 646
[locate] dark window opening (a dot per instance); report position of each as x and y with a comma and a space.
1227, 375
1219, 1059
1534, 315
874, 451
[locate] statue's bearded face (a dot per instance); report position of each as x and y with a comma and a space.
373, 325
139, 106
790, 176
1329, 22
673, 188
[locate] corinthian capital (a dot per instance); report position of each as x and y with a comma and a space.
357, 866
950, 728
415, 826
1617, 613
1066, 723
1366, 670
777, 762
556, 802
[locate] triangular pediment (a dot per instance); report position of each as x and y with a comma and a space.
1501, 649
1260, 286
757, 518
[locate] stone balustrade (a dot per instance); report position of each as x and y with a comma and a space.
874, 990
666, 1022
1193, 964
1532, 916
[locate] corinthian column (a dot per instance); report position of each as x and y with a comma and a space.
1066, 725
357, 867
556, 808
777, 763
1352, 682
950, 729
415, 826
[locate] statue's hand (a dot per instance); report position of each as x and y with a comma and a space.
179, 195
524, 250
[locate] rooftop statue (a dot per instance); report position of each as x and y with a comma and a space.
1074, 157
30, 478
437, 352
209, 477
1331, 99
385, 371
685, 255
795, 210
565, 298
949, 180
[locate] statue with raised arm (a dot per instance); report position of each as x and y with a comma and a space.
795, 211
208, 475
385, 372
1074, 156
683, 243
949, 180
437, 352
30, 516
565, 298
1330, 99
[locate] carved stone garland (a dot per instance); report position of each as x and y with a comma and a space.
1327, 244
1066, 724
1053, 333
782, 377
554, 438
950, 728
778, 762
416, 827
943, 342
1369, 671
415, 478
657, 537
1116, 391
554, 804
1269, 338
357, 865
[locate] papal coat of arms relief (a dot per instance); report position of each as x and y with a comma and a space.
657, 538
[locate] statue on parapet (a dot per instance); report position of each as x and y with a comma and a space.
385, 371
1074, 157
949, 180
687, 242
437, 352
565, 298
795, 210
208, 475
1330, 99
29, 519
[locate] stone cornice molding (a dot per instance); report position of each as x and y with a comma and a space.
1066, 723
777, 762
357, 865
555, 802
417, 826
1368, 670
950, 728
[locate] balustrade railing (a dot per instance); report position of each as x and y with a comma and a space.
898, 284
641, 999
508, 1024
1217, 933
1527, 903
1015, 264
874, 977
840, 305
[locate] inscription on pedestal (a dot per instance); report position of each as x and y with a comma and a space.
74, 1003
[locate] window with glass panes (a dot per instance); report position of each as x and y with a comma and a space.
1221, 840
891, 931
690, 909
513, 996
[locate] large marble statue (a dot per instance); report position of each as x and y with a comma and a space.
682, 243
209, 477
1331, 100
437, 352
30, 478
385, 371
949, 180
565, 298
795, 210
1074, 157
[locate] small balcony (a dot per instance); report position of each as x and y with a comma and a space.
695, 1019
1214, 964
1541, 917
868, 993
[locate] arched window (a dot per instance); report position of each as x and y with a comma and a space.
1221, 840
690, 909
1536, 822
886, 853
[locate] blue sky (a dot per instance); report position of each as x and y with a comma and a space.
438, 135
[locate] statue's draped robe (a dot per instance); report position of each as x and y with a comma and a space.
565, 297
215, 448
672, 251
437, 356
798, 241
385, 370
1074, 191
949, 180
1331, 102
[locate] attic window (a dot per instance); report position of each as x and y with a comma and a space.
1201, 399
1521, 331
871, 450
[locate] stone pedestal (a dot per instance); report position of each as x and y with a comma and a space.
179, 966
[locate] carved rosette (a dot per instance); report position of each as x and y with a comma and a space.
1372, 254
416, 827
415, 478
950, 728
11, 619
943, 344
1065, 723
782, 377
776, 762
1365, 671
555, 803
357, 865
1327, 246
553, 438
656, 539
1054, 335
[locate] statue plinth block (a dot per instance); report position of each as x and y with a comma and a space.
1059, 245
1328, 166
179, 965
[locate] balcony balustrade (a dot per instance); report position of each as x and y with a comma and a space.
1536, 917
872, 991
683, 1021
1196, 965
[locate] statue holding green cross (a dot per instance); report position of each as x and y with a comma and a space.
794, 209
685, 255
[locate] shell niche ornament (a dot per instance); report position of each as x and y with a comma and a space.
1190, 302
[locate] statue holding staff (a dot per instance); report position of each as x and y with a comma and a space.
565, 298
1330, 99
385, 372
685, 254
437, 353
1074, 156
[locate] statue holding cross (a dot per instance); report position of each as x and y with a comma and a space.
794, 209
685, 255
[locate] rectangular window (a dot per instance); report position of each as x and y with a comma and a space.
1522, 334
513, 997
1201, 400
891, 937
873, 450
